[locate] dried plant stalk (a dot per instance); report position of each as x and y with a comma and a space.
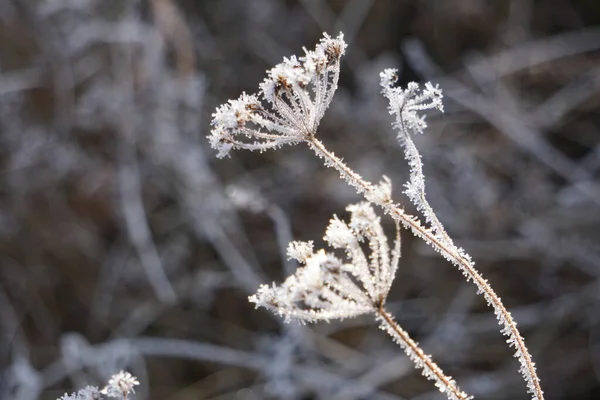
293, 116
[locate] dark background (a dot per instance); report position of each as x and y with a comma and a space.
124, 243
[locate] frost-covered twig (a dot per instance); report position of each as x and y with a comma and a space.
404, 105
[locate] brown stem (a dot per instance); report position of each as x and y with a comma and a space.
430, 369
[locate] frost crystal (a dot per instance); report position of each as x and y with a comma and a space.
300, 251
298, 91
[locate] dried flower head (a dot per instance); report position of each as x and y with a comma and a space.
325, 287
120, 385
297, 92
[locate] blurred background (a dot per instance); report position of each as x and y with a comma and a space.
125, 244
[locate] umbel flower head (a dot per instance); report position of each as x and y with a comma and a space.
325, 287
297, 92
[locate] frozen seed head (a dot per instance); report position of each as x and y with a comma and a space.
325, 287
297, 92
120, 385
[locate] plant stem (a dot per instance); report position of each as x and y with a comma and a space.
429, 368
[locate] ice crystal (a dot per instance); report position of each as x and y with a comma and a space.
300, 251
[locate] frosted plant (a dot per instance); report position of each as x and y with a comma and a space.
87, 393
326, 287
294, 116
119, 386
